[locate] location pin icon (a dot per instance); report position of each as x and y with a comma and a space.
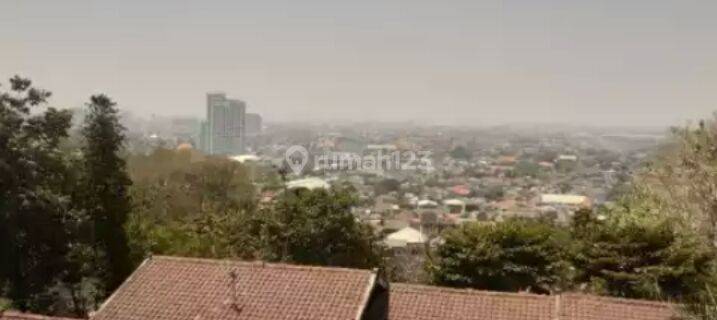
297, 157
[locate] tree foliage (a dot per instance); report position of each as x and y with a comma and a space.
700, 307
189, 208
460, 153
35, 187
627, 252
682, 177
385, 186
641, 257
317, 227
514, 255
526, 169
105, 195
209, 209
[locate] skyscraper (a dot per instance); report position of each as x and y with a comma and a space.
224, 130
253, 124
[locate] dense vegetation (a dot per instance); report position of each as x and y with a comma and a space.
634, 258
518, 254
35, 191
208, 208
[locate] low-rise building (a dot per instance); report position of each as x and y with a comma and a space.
406, 237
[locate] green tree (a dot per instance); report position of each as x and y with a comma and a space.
517, 254
385, 186
190, 208
492, 193
526, 169
700, 307
105, 197
648, 257
460, 153
35, 184
683, 176
317, 227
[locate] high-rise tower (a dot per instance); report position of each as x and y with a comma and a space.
224, 130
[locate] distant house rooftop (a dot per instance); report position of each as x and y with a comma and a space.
564, 199
454, 202
567, 157
404, 237
308, 183
381, 147
245, 157
427, 203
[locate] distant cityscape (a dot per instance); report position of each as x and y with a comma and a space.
358, 160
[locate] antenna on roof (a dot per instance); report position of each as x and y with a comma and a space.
234, 291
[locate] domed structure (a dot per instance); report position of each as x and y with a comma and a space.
185, 146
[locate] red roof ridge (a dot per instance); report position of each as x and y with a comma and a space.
259, 263
121, 288
366, 296
13, 315
580, 295
468, 291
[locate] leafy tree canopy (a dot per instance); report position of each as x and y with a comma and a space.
517, 254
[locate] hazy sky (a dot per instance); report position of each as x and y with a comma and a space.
618, 62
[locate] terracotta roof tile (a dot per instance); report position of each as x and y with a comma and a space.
587, 307
166, 288
415, 302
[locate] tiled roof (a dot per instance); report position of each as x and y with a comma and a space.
415, 302
14, 315
587, 307
166, 288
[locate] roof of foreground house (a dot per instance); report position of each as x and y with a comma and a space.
16, 315
168, 288
589, 307
417, 302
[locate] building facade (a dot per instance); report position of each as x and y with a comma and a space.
224, 130
253, 124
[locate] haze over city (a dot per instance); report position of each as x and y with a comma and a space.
641, 63
358, 160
